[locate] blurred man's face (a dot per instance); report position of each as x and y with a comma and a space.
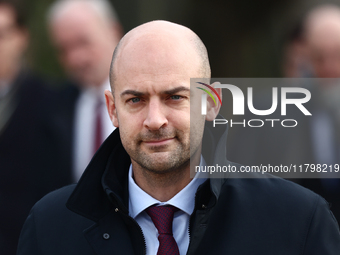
323, 44
13, 42
85, 44
152, 103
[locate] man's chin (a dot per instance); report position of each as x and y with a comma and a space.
162, 162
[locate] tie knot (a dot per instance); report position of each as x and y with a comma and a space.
162, 217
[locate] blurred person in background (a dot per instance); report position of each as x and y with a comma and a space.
322, 39
85, 34
316, 139
27, 167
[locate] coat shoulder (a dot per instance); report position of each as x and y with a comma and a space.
55, 199
52, 209
51, 228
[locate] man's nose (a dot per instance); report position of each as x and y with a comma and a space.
75, 57
156, 117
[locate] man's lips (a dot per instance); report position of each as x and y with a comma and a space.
158, 142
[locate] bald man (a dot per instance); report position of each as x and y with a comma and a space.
85, 33
136, 195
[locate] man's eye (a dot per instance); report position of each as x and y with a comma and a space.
135, 100
175, 97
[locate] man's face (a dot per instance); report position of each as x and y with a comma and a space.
152, 103
13, 41
85, 44
325, 57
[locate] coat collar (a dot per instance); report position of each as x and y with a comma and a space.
104, 184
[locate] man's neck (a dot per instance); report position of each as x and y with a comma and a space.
163, 186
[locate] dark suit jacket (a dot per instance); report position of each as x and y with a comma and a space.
31, 157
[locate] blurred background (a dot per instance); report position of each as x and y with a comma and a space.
244, 38
43, 109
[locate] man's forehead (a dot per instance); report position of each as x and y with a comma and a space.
322, 20
149, 87
7, 13
156, 50
78, 16
325, 35
159, 44
77, 26
156, 35
156, 56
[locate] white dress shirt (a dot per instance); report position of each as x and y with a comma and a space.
85, 121
184, 200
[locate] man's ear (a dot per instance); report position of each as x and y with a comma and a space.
212, 108
111, 107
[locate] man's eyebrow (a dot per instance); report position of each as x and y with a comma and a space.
132, 92
176, 90
168, 92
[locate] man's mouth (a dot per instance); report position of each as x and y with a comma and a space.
158, 142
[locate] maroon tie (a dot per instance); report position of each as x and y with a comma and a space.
162, 217
98, 136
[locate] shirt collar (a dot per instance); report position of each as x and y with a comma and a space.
184, 200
